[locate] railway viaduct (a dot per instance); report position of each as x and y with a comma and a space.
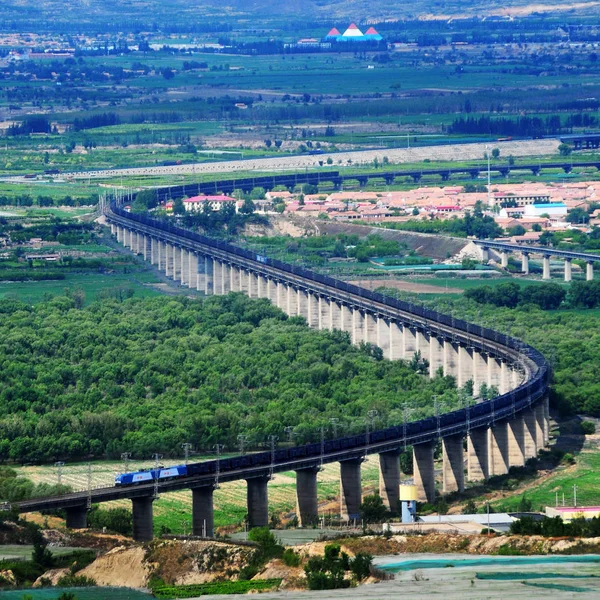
499, 434
505, 249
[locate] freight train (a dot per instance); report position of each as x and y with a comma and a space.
458, 421
418, 431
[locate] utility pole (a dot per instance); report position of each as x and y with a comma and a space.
334, 423
371, 415
157, 458
242, 442
405, 416
186, 451
218, 448
273, 441
289, 431
125, 456
489, 188
89, 486
59, 470
437, 408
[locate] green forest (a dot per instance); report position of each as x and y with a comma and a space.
146, 375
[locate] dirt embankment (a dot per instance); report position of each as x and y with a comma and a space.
471, 544
437, 247
175, 562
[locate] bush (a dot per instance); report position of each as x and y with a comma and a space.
119, 520
588, 427
290, 558
361, 565
76, 581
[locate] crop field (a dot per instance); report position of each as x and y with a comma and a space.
92, 284
173, 510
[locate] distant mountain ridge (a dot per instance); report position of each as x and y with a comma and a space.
256, 12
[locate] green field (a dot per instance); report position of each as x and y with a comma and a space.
11, 551
92, 285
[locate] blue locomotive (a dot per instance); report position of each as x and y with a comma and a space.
148, 475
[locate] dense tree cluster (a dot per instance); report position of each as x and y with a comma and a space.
478, 225
545, 295
556, 527
144, 376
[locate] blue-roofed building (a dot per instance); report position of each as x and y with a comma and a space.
552, 209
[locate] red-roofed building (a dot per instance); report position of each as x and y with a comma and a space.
333, 33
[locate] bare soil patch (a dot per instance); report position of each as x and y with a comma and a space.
406, 286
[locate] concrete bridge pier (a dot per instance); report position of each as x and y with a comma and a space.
346, 318
271, 289
370, 332
423, 344
516, 441
154, 244
77, 517
185, 267
281, 295
477, 454
209, 266
177, 251
546, 405
147, 247
258, 502
313, 310
568, 275
465, 367
350, 488
303, 310
336, 314
525, 263
389, 479
498, 449
383, 335
589, 271
436, 355
453, 464
203, 522
480, 370
504, 259
169, 251
450, 359
494, 375
409, 337
395, 340
424, 474
505, 377
530, 446
192, 270
539, 425
306, 496
358, 326
143, 521
546, 270
162, 256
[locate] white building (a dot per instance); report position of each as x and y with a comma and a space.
552, 209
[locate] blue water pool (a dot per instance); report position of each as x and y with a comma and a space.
482, 561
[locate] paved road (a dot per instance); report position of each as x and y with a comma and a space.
455, 152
